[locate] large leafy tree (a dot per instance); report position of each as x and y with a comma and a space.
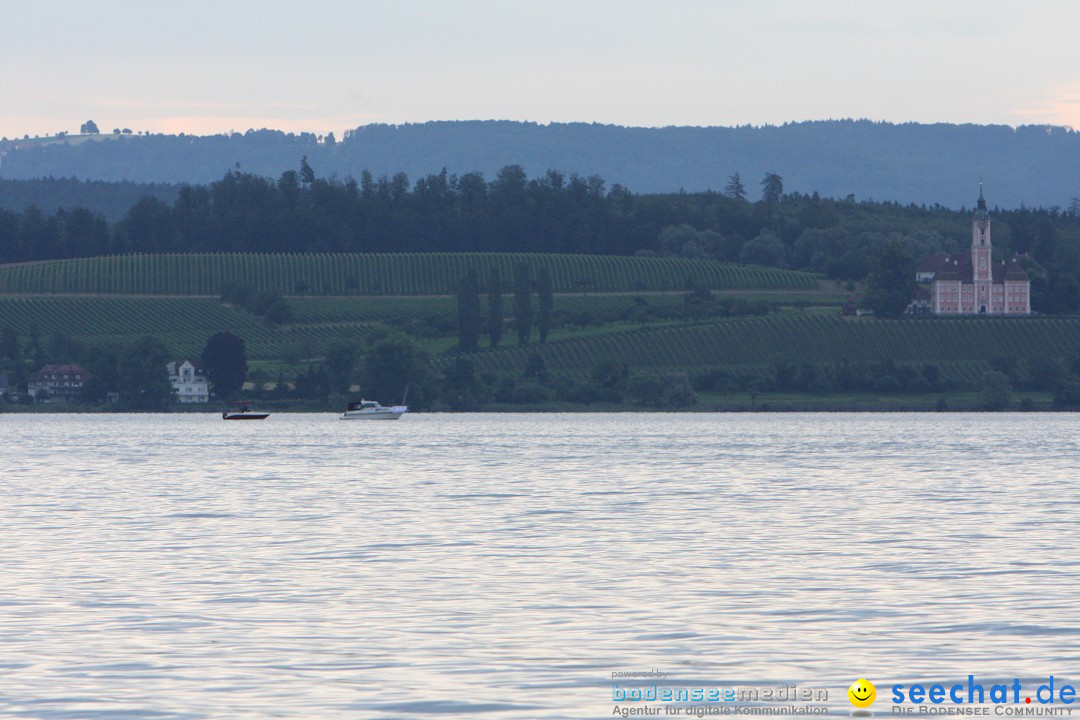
390, 367
461, 389
9, 345
225, 361
144, 379
890, 286
765, 249
340, 362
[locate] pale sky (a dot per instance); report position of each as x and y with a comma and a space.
207, 66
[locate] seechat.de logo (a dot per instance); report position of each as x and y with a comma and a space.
862, 693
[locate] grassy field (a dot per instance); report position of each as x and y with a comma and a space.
185, 323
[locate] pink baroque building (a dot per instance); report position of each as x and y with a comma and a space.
971, 283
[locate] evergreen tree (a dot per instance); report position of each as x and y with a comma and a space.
547, 302
735, 188
523, 316
772, 188
307, 175
495, 307
469, 317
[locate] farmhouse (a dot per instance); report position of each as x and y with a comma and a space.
189, 381
59, 382
971, 283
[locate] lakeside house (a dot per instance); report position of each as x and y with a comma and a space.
971, 283
189, 381
59, 382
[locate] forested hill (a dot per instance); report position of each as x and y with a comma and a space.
923, 164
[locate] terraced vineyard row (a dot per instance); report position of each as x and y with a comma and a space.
375, 309
369, 309
968, 372
119, 316
378, 274
183, 323
959, 345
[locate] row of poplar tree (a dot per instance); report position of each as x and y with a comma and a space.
471, 318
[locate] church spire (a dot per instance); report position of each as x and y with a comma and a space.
980, 249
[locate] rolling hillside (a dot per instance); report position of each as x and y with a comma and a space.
909, 162
114, 300
633, 311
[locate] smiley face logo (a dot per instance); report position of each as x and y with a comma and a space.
862, 693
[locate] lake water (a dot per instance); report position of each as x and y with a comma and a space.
504, 566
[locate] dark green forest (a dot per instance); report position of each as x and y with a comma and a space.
751, 221
110, 199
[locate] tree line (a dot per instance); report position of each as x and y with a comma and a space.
908, 161
754, 222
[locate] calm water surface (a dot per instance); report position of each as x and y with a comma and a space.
503, 566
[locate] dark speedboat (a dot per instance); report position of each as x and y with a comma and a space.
243, 411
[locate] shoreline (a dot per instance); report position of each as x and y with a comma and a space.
767, 406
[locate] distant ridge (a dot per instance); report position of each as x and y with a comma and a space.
908, 163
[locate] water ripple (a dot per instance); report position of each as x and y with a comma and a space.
503, 566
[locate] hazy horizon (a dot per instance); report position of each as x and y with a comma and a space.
339, 134
207, 69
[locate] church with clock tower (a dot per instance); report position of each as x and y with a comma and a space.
971, 283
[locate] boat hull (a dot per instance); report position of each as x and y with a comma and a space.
245, 416
371, 410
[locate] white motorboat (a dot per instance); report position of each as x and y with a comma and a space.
371, 410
